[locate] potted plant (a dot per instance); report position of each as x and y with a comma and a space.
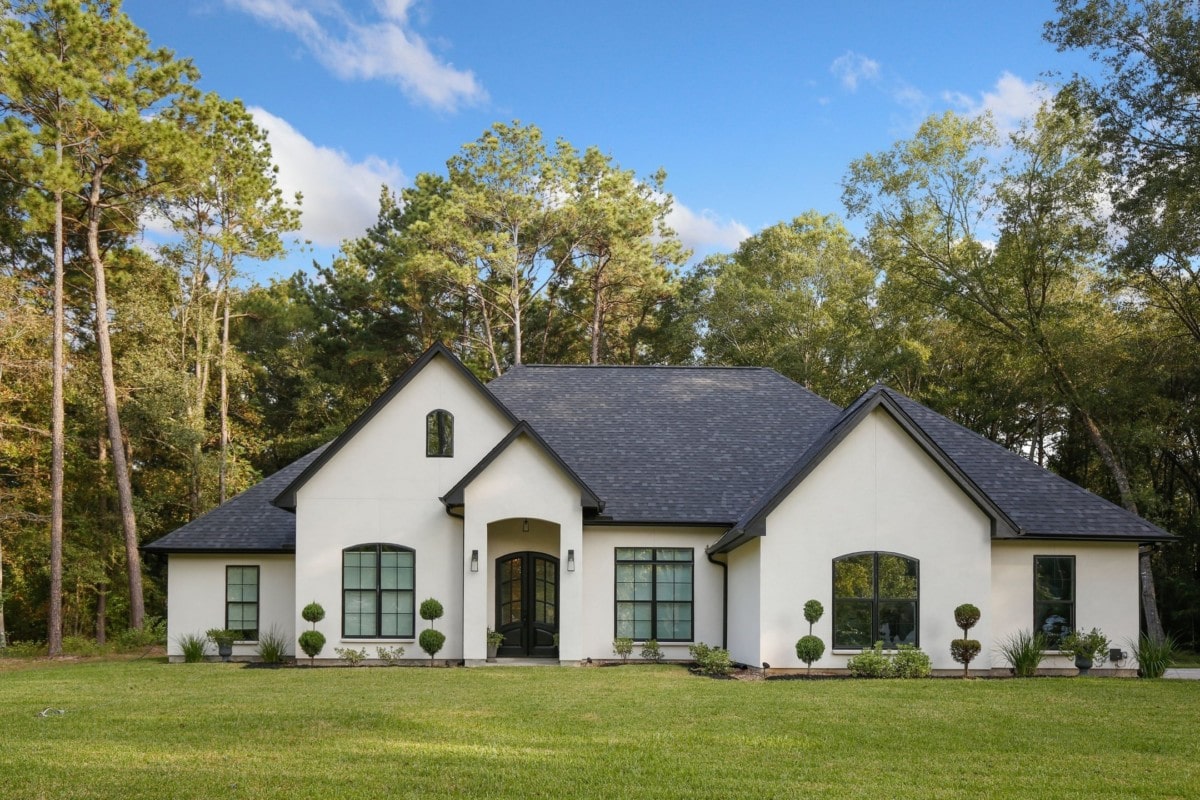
1090, 649
494, 640
224, 640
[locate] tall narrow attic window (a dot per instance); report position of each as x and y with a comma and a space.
439, 434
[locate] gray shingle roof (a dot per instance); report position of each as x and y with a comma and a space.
669, 444
246, 523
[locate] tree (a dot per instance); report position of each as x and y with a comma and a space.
796, 297
1148, 123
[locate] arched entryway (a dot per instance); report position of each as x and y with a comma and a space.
527, 604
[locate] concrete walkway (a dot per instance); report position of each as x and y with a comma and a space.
1183, 674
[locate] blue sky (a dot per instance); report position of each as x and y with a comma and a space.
754, 109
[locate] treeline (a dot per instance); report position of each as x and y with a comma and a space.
1040, 288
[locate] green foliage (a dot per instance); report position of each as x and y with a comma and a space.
1024, 651
431, 609
272, 646
871, 663
1153, 657
312, 642
431, 642
152, 634
651, 651
810, 648
1091, 645
24, 650
351, 656
964, 651
623, 646
910, 662
494, 638
813, 611
221, 637
965, 616
711, 661
313, 612
390, 655
84, 646
193, 646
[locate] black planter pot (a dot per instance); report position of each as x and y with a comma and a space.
225, 650
1084, 665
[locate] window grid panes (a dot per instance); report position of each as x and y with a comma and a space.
875, 598
439, 434
1054, 597
377, 592
241, 602
654, 593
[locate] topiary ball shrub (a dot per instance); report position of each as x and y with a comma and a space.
312, 642
963, 651
431, 641
813, 611
431, 609
809, 649
313, 612
965, 616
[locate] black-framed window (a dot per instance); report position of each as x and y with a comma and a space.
377, 591
876, 598
241, 602
1054, 597
654, 593
439, 434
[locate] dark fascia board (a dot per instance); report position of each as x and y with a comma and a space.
753, 523
287, 498
1148, 538
588, 498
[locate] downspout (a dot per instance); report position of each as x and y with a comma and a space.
724, 599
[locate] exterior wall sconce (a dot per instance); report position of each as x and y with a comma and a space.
570, 561
525, 526
474, 561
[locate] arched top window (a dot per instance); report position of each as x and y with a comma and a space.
875, 599
439, 434
377, 591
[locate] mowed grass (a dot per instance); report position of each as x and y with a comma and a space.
146, 729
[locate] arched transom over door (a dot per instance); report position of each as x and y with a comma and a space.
527, 604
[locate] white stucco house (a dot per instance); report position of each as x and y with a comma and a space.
565, 506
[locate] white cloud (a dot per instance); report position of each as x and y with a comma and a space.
341, 196
704, 230
852, 67
1011, 102
386, 48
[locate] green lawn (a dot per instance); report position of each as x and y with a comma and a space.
145, 729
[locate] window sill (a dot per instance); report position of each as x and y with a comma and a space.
375, 640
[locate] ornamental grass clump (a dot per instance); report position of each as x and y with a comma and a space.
1024, 651
312, 641
964, 650
1153, 657
810, 648
272, 647
193, 646
431, 640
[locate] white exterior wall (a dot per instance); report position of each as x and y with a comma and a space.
876, 491
745, 595
1106, 592
521, 483
599, 585
381, 487
196, 597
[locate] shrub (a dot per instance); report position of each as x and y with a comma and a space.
272, 647
83, 646
1091, 645
193, 646
1153, 657
810, 648
813, 610
351, 656
431, 609
965, 649
152, 633
651, 651
623, 646
712, 661
312, 642
313, 612
870, 663
431, 641
910, 662
390, 655
24, 650
1024, 651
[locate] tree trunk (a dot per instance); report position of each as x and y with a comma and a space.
3, 630
102, 613
57, 434
224, 368
133, 561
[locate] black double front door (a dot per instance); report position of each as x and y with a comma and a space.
527, 604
